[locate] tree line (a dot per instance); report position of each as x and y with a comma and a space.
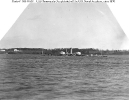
56, 51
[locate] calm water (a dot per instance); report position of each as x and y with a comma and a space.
37, 77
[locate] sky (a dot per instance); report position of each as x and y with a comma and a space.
65, 29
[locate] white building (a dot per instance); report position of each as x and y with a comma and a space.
2, 50
16, 50
78, 53
62, 53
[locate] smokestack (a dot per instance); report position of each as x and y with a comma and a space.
71, 52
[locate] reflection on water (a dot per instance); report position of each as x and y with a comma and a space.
37, 77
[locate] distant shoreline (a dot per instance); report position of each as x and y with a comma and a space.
64, 51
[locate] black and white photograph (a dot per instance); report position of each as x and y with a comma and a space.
64, 50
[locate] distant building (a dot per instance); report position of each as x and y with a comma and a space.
16, 50
62, 53
78, 53
91, 55
2, 50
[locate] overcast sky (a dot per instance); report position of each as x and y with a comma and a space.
54, 25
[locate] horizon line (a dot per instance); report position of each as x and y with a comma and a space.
61, 48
